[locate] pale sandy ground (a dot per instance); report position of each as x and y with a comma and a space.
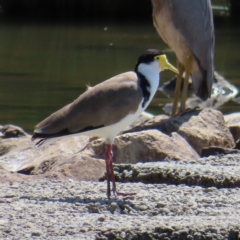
197, 209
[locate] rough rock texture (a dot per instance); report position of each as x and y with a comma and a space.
144, 146
75, 157
216, 151
201, 129
66, 157
233, 123
22, 153
207, 172
185, 198
59, 159
9, 131
46, 209
11, 137
78, 167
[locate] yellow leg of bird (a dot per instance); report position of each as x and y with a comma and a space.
185, 86
184, 92
177, 88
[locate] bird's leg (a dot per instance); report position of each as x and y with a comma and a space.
114, 189
185, 86
177, 88
185, 91
108, 156
110, 174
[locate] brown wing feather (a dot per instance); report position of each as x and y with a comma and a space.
101, 105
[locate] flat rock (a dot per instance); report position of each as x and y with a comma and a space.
221, 171
22, 153
78, 167
58, 159
201, 128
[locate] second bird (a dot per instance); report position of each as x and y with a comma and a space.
187, 27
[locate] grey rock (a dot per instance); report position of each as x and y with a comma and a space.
233, 123
11, 131
144, 146
219, 172
200, 128
215, 151
22, 153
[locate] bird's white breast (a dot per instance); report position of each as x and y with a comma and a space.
152, 74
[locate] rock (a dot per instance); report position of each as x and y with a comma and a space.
233, 123
222, 92
11, 136
6, 145
214, 151
58, 159
237, 145
24, 153
11, 131
144, 146
140, 120
77, 157
7, 176
221, 172
201, 129
79, 168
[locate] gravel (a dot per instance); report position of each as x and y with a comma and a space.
164, 209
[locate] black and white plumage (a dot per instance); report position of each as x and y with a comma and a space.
109, 107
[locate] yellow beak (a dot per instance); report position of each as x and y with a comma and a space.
164, 64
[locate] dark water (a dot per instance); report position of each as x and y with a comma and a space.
44, 67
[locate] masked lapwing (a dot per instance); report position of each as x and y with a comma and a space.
108, 108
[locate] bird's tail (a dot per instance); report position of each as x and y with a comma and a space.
202, 81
